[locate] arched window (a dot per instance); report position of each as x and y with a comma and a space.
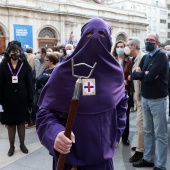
46, 33
47, 38
1, 32
121, 37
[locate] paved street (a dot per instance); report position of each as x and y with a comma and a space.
39, 159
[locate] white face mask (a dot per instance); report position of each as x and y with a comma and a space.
48, 52
69, 52
127, 50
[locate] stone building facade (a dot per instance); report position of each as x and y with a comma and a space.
52, 21
156, 13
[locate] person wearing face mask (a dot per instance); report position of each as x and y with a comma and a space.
153, 71
51, 60
16, 93
133, 49
49, 50
40, 65
125, 62
69, 49
63, 54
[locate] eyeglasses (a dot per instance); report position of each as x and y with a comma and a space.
46, 60
150, 40
129, 45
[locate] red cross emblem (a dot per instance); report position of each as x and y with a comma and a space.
89, 87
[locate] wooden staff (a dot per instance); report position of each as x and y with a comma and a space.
73, 109
70, 121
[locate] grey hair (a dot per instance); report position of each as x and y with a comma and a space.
135, 41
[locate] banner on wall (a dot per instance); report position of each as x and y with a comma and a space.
23, 34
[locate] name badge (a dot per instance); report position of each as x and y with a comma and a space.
14, 79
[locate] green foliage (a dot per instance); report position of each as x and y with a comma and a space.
164, 44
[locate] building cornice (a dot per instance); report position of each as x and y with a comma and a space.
138, 3
82, 10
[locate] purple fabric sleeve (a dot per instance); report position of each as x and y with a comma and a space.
48, 127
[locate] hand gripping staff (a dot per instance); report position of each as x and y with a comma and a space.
73, 108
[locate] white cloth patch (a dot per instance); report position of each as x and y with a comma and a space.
89, 87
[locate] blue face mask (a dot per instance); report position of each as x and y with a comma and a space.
120, 51
38, 56
149, 46
61, 54
168, 53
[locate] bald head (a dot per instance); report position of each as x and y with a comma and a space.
153, 35
151, 41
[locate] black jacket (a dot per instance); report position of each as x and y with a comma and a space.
15, 97
155, 83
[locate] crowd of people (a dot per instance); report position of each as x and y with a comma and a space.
37, 89
42, 63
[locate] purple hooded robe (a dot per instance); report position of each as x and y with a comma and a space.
100, 119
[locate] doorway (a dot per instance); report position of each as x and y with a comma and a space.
2, 41
47, 38
2, 44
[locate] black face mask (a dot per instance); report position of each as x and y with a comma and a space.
14, 56
149, 46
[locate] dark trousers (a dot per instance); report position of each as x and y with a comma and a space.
125, 134
31, 115
35, 107
0, 116
169, 100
